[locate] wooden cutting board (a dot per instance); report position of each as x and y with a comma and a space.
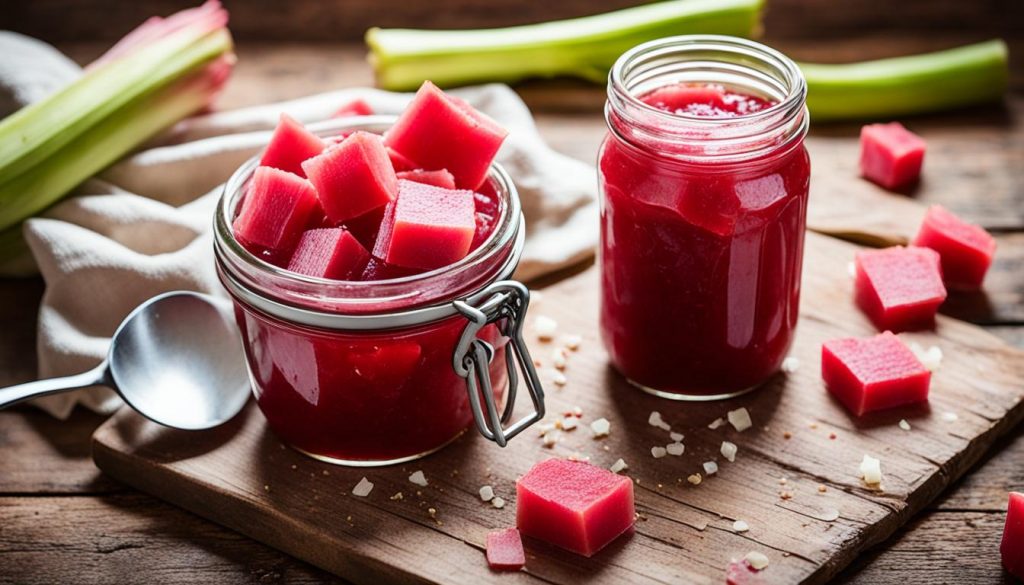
797, 468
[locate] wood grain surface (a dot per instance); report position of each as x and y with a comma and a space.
55, 504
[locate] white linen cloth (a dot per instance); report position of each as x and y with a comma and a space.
143, 226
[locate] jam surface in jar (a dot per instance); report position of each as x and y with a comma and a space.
700, 259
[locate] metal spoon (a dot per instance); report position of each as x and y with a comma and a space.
177, 359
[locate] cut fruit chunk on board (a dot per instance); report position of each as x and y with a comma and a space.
574, 505
329, 253
441, 178
276, 208
427, 227
291, 144
1012, 547
965, 250
873, 374
890, 155
505, 550
899, 289
439, 131
353, 177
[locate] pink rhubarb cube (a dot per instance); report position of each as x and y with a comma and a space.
427, 227
873, 374
291, 144
440, 178
1012, 548
505, 550
399, 161
276, 208
357, 107
899, 289
574, 505
353, 177
890, 155
439, 131
329, 253
965, 249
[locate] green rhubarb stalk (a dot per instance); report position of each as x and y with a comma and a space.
584, 47
93, 151
917, 84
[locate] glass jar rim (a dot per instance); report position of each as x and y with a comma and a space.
733, 138
345, 304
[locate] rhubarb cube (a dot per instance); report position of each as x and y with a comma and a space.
291, 144
873, 374
739, 572
399, 161
329, 253
1012, 547
439, 178
899, 289
965, 250
353, 177
427, 227
505, 550
890, 155
439, 131
276, 208
574, 505
354, 108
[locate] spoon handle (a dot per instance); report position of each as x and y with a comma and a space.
14, 394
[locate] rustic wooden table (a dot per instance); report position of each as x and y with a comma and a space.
61, 520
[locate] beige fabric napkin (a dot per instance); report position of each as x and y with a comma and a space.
143, 226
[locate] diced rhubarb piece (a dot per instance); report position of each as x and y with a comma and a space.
574, 505
291, 144
329, 253
965, 249
873, 374
739, 572
399, 161
899, 289
439, 131
366, 227
353, 177
427, 227
357, 107
440, 178
1012, 547
276, 208
890, 155
505, 550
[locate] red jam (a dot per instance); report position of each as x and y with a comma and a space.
700, 259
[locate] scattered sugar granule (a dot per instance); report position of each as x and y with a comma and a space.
676, 449
655, 420
572, 342
419, 479
545, 327
559, 379
871, 470
740, 526
676, 437
569, 423
543, 428
716, 423
577, 411
618, 466
363, 488
790, 365
949, 417
904, 424
756, 560
498, 502
829, 515
658, 452
601, 427
930, 358
729, 451
740, 419
487, 493
558, 359
550, 438
397, 496
710, 468
695, 479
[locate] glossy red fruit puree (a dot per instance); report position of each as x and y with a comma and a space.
700, 260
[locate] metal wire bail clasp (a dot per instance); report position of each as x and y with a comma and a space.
504, 305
